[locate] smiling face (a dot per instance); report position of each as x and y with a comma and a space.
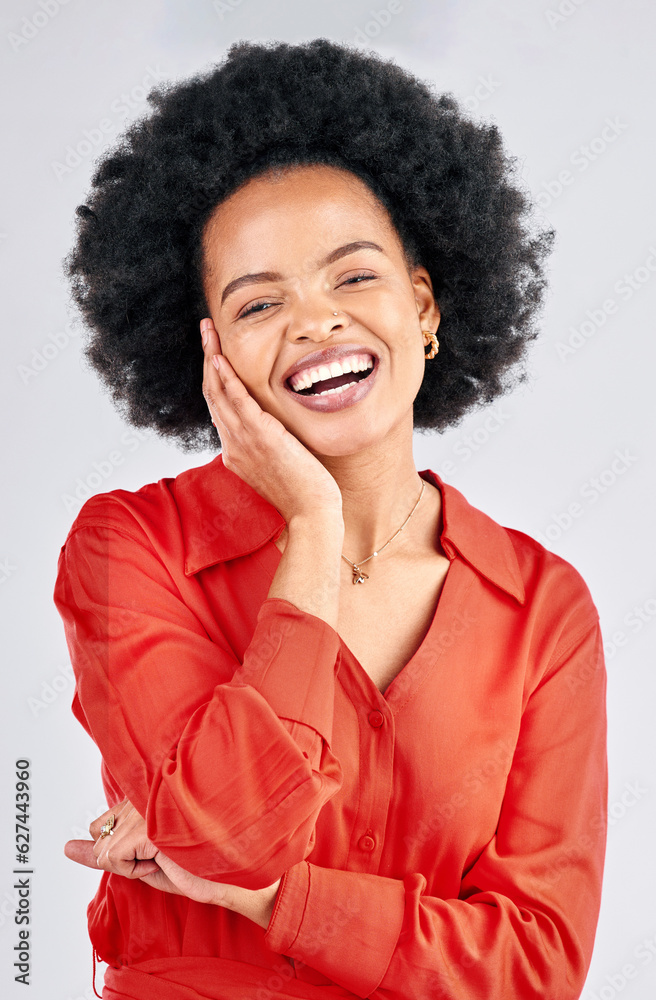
282, 255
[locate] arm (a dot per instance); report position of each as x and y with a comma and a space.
230, 781
159, 871
525, 919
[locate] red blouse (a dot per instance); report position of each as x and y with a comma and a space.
443, 839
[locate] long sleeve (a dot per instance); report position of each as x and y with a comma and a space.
229, 762
524, 922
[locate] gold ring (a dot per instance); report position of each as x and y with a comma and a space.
108, 827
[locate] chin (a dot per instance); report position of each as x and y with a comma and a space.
341, 442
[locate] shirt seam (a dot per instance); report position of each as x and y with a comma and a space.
278, 903
109, 527
559, 656
396, 943
305, 905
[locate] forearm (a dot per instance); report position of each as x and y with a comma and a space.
308, 574
197, 761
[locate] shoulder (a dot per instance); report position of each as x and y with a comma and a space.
131, 512
513, 560
204, 515
560, 613
154, 503
547, 575
549, 592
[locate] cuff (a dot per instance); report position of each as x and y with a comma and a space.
291, 661
344, 924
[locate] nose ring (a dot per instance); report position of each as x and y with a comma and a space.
334, 314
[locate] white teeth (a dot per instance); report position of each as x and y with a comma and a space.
351, 364
341, 388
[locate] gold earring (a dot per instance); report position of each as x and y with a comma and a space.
434, 344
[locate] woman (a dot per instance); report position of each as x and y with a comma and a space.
353, 730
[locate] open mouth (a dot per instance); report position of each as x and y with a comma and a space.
332, 379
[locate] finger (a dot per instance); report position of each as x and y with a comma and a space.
213, 390
129, 818
113, 858
210, 337
144, 867
237, 395
211, 346
81, 851
95, 827
228, 384
128, 852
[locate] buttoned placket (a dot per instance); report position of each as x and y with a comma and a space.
376, 715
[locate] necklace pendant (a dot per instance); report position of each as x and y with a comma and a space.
358, 575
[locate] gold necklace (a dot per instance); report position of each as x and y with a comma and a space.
358, 575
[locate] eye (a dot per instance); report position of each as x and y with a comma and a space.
358, 278
255, 307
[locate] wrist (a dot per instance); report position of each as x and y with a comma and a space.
323, 524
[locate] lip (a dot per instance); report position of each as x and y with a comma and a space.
339, 400
324, 357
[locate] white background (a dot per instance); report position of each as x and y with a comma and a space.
551, 81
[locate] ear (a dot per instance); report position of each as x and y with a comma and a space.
428, 310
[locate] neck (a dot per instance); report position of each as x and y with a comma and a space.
379, 488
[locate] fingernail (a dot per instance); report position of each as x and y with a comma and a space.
204, 336
205, 324
215, 362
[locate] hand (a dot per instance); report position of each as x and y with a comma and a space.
258, 447
129, 852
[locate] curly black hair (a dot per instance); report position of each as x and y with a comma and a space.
449, 187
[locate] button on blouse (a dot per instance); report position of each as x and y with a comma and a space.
443, 839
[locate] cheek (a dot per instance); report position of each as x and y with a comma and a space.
403, 327
251, 364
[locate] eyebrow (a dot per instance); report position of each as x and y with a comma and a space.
330, 258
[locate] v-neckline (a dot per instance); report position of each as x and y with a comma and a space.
403, 685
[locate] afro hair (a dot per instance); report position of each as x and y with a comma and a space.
445, 180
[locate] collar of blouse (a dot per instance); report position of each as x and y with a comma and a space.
242, 522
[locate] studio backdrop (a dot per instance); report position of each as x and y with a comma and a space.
567, 457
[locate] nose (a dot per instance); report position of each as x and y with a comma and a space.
317, 324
